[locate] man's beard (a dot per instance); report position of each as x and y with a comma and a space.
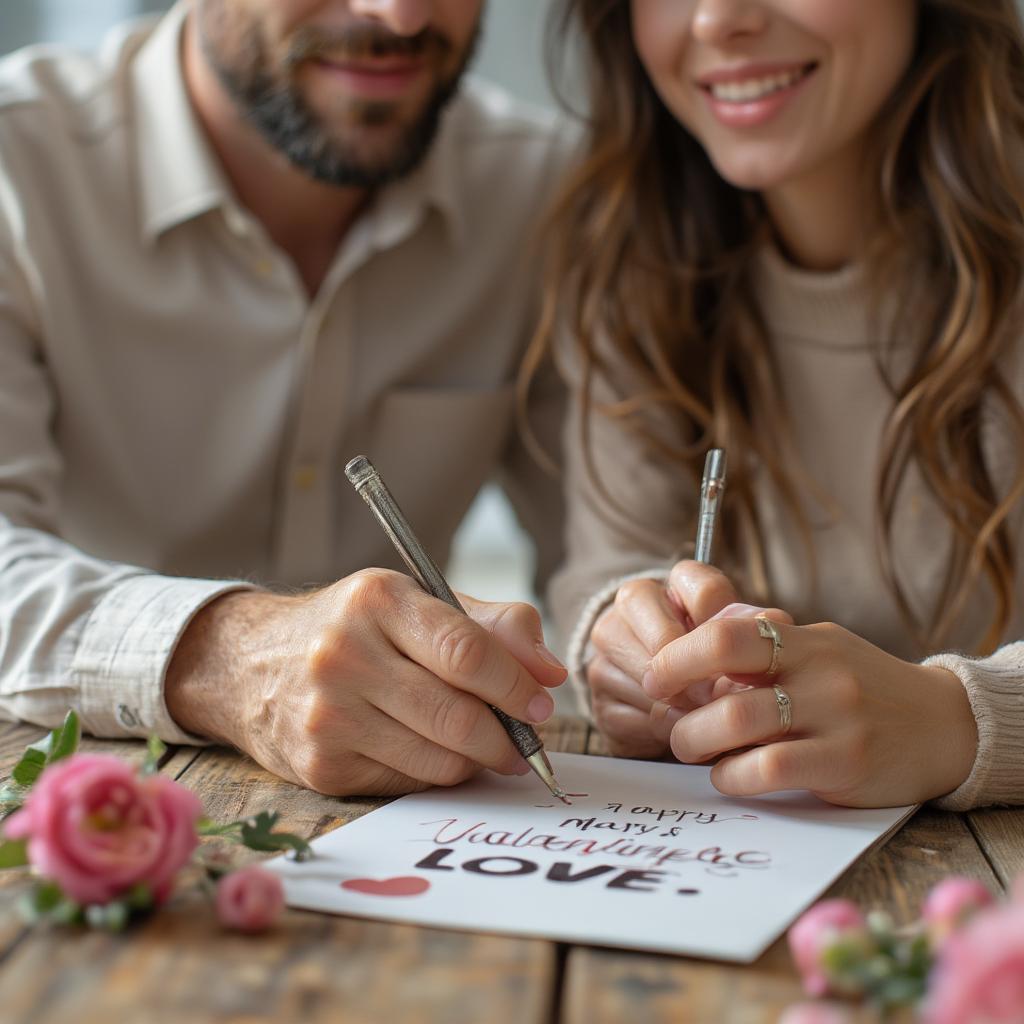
276, 107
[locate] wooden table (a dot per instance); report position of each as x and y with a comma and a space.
178, 965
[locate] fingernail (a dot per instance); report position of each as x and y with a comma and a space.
540, 709
520, 767
647, 682
738, 611
549, 657
663, 717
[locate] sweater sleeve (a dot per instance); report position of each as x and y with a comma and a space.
995, 688
628, 516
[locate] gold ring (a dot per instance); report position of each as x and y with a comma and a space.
768, 629
785, 709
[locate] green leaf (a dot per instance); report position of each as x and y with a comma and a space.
13, 853
30, 767
139, 897
258, 834
64, 741
208, 827
55, 746
155, 750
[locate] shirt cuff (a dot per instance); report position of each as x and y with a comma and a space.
579, 651
126, 645
996, 694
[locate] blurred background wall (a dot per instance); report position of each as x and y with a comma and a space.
492, 558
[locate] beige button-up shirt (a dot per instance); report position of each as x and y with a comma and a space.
175, 413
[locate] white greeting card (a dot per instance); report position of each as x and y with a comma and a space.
649, 856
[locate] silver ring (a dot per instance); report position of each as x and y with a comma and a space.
785, 709
768, 629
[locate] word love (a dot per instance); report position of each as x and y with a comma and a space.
714, 859
562, 871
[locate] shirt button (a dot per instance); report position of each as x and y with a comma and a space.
236, 222
305, 477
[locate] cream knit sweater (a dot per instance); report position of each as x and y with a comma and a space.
837, 403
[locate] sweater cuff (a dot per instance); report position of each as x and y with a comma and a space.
579, 650
121, 660
996, 693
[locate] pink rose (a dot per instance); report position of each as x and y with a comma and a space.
821, 927
979, 975
815, 1013
250, 899
1017, 890
951, 904
97, 828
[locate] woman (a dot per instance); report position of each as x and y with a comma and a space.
798, 234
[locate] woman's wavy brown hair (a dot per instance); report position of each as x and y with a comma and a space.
650, 276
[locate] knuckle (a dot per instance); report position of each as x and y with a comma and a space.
518, 616
457, 720
433, 766
776, 765
722, 641
462, 648
372, 590
737, 714
828, 633
632, 592
847, 695
323, 656
602, 636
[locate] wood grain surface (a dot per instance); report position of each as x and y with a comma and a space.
178, 965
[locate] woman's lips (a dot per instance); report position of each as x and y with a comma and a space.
749, 97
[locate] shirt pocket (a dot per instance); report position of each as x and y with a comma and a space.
435, 448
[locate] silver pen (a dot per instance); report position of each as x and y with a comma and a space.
375, 493
711, 488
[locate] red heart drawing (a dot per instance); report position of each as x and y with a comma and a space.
405, 885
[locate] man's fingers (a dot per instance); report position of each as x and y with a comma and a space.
460, 652
518, 627
402, 748
419, 706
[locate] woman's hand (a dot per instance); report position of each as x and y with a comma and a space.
868, 730
645, 617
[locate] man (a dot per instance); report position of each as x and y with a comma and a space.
235, 251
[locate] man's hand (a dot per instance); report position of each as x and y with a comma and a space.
368, 687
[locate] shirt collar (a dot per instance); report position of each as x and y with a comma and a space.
181, 177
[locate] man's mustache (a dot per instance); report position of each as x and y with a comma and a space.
362, 41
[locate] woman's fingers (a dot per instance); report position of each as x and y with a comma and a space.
645, 606
700, 590
744, 719
622, 711
723, 646
797, 764
609, 683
